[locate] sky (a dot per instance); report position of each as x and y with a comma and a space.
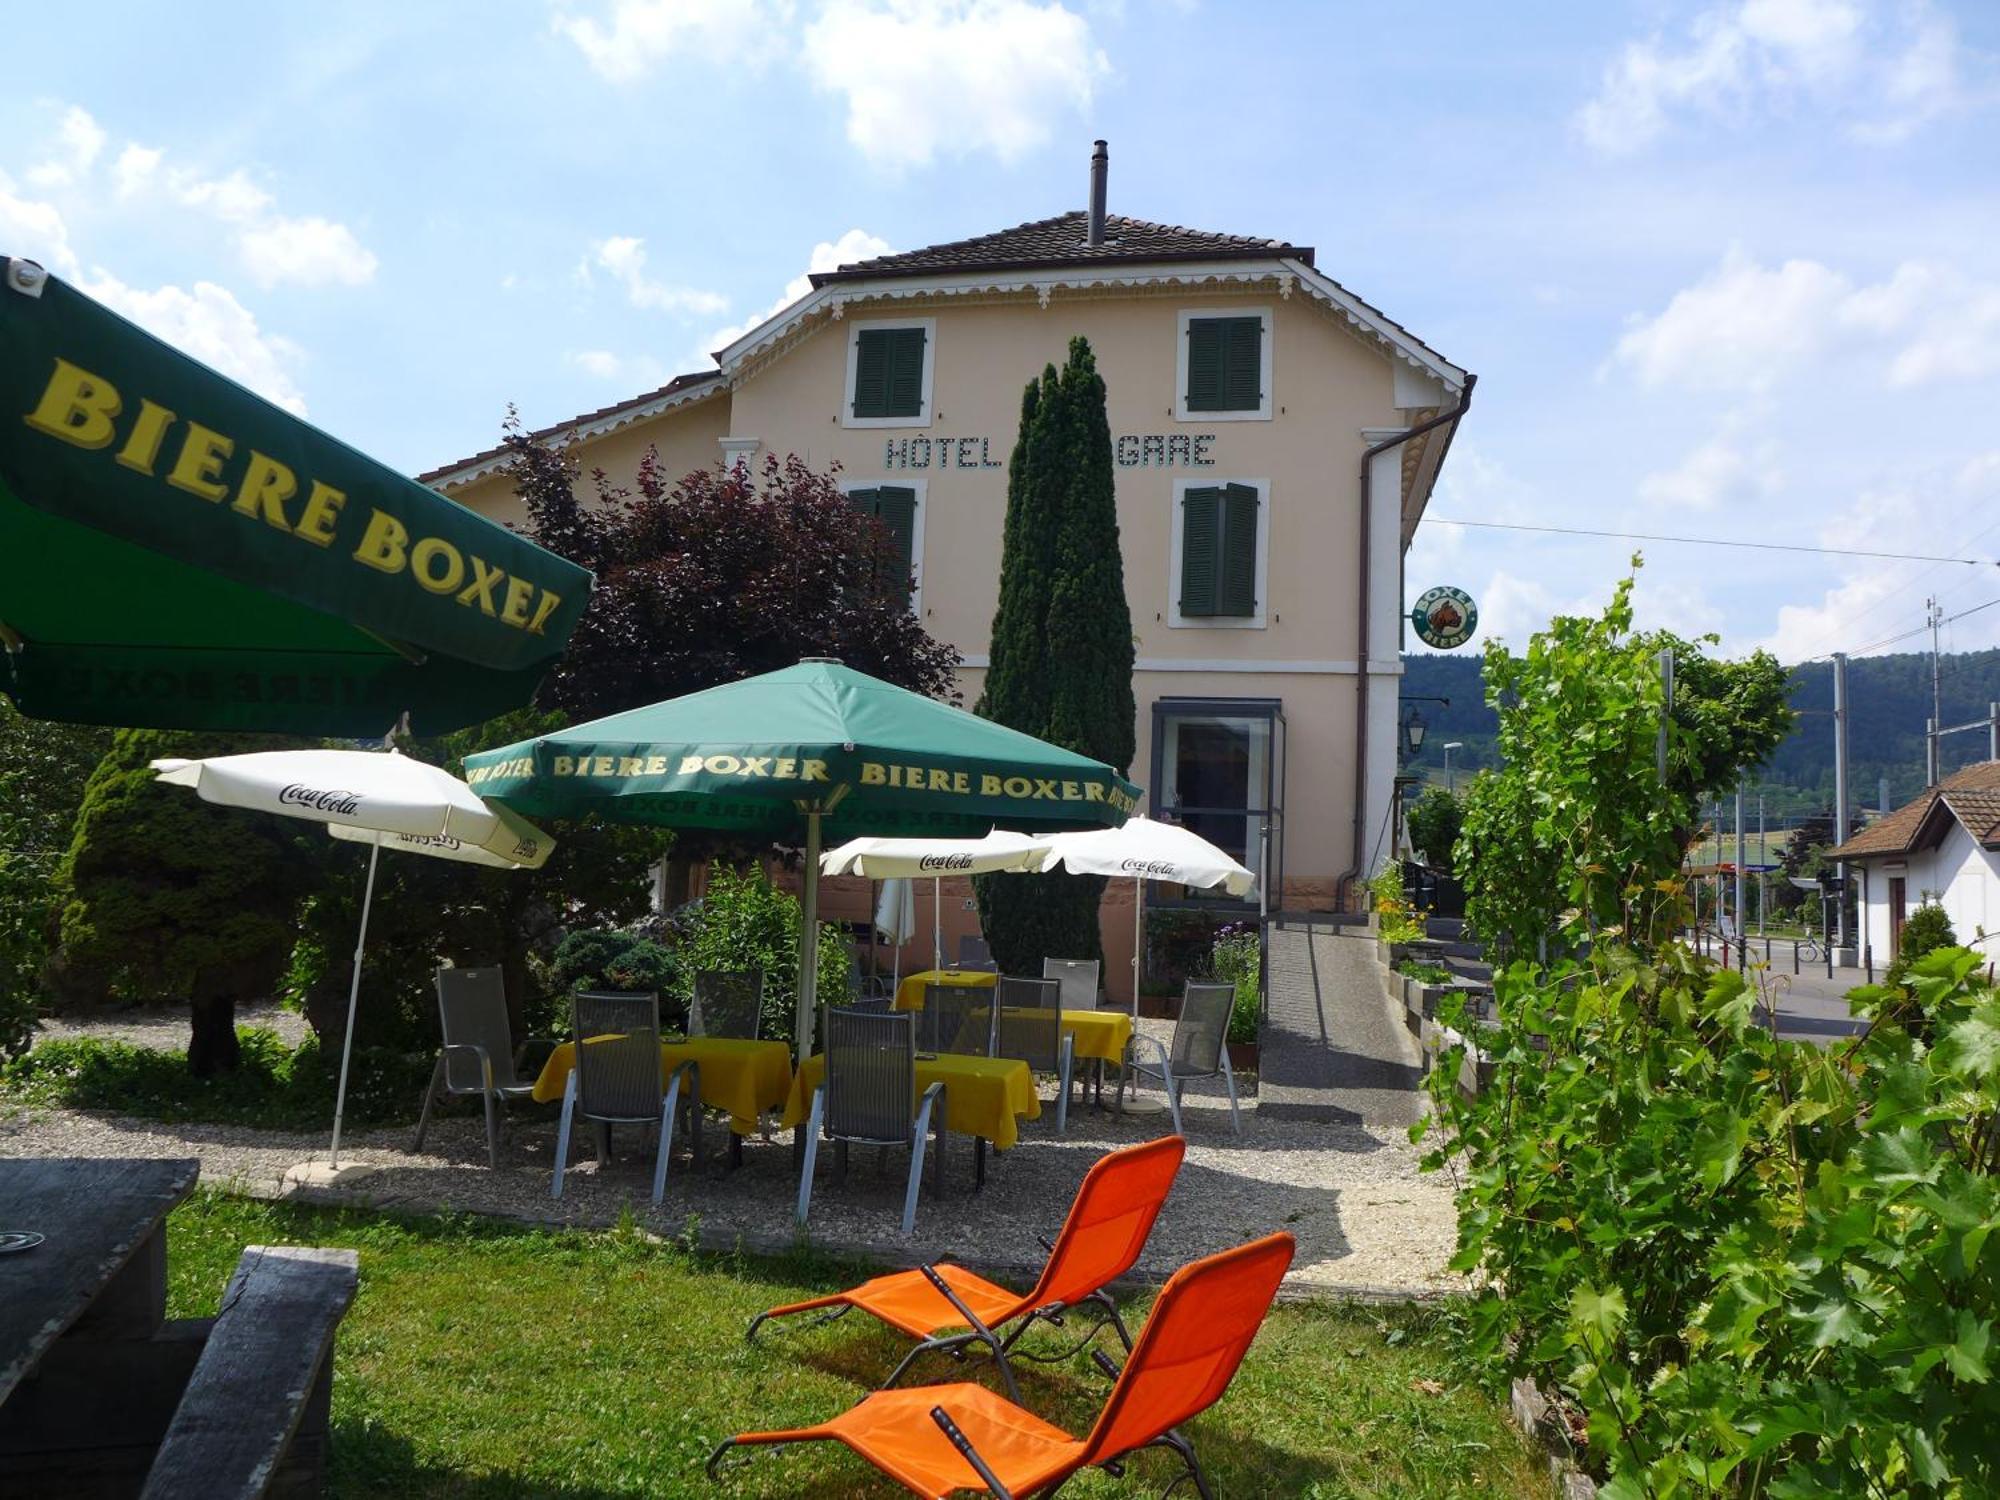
1724, 269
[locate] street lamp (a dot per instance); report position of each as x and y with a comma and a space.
1413, 733
1450, 784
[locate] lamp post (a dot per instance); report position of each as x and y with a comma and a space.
1450, 781
1413, 734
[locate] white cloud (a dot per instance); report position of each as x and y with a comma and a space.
306, 252
210, 325
640, 370
827, 255
1717, 473
35, 231
927, 77
624, 256
637, 35
79, 141
135, 168
1745, 325
1886, 68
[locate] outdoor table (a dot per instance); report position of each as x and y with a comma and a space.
983, 1096
101, 1271
1101, 1035
910, 993
744, 1077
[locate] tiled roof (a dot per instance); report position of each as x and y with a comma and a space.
1060, 242
677, 386
1972, 793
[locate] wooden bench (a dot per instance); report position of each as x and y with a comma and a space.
253, 1419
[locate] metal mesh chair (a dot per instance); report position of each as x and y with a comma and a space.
1030, 1028
616, 1079
478, 1054
974, 954
1078, 978
956, 1018
1198, 1049
727, 1002
869, 1098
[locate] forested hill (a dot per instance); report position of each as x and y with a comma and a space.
1891, 699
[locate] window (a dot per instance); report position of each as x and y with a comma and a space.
1218, 770
889, 374
1224, 365
1221, 545
899, 507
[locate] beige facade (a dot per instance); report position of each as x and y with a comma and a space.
1277, 694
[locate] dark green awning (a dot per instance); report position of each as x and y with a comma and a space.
178, 552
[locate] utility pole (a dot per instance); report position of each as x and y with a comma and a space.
1840, 816
1763, 858
1666, 713
1742, 908
1934, 617
1993, 731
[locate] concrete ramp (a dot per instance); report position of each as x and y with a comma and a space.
1333, 1045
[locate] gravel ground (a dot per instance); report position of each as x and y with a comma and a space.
1367, 1222
167, 1027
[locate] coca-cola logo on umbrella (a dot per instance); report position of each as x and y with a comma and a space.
944, 862
1152, 869
320, 799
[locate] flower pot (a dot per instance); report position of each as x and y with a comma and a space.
1242, 1058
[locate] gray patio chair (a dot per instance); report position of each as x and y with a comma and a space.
1030, 1028
727, 1002
478, 1055
1198, 1049
869, 1098
974, 954
956, 1018
616, 1080
1079, 980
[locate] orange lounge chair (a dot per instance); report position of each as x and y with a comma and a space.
1121, 1196
940, 1439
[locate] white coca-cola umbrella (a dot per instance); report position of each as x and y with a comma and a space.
1142, 850
384, 800
893, 859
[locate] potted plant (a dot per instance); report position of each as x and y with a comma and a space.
1236, 958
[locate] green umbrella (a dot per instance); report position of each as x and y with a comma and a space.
799, 755
180, 553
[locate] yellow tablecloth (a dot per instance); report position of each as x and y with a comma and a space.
1100, 1034
910, 993
982, 1095
746, 1078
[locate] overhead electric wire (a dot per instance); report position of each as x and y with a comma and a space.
1919, 630
1717, 541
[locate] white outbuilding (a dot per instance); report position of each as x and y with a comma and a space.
1943, 847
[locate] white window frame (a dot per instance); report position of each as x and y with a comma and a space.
1181, 412
854, 332
1175, 619
922, 487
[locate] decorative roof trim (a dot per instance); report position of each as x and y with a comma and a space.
834, 296
589, 425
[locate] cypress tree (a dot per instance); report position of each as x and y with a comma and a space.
1061, 660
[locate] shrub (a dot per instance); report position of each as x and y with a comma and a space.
1757, 1266
1424, 973
1926, 930
600, 959
1237, 957
1434, 823
1397, 918
744, 922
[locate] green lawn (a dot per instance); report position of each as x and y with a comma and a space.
484, 1360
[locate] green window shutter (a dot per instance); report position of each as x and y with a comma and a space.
1201, 547
871, 374
896, 507
1243, 364
1204, 364
1236, 578
1225, 364
889, 372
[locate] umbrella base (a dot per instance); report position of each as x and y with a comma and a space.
317, 1175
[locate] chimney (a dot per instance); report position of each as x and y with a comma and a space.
1100, 166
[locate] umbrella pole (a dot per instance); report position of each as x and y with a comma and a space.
809, 940
937, 921
1138, 935
353, 998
